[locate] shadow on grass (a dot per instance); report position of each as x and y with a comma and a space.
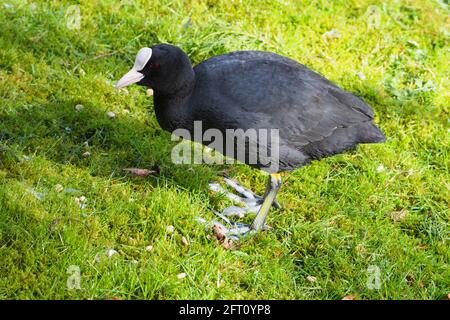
60, 134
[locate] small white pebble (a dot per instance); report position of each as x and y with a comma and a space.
181, 275
311, 278
79, 107
111, 252
380, 168
111, 114
361, 76
82, 199
184, 241
170, 229
332, 34
149, 248
59, 188
87, 154
149, 92
413, 43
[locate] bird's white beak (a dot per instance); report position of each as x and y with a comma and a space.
133, 76
129, 78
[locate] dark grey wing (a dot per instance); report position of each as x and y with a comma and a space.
238, 62
317, 113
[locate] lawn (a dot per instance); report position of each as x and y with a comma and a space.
369, 224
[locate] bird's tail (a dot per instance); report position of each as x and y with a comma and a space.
372, 134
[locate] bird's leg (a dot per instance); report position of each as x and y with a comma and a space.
275, 203
273, 185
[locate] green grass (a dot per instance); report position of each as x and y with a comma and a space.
382, 206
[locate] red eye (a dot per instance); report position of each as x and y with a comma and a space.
155, 66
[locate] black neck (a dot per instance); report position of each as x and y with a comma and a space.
172, 111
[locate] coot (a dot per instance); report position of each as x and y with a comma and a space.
255, 90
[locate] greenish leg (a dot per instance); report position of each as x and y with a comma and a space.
273, 185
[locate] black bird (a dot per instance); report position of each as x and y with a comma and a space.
255, 90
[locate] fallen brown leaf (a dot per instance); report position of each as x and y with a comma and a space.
219, 232
227, 243
184, 241
139, 172
398, 215
221, 237
349, 297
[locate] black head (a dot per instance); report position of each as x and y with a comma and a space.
164, 68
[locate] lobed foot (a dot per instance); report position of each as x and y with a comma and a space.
248, 203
